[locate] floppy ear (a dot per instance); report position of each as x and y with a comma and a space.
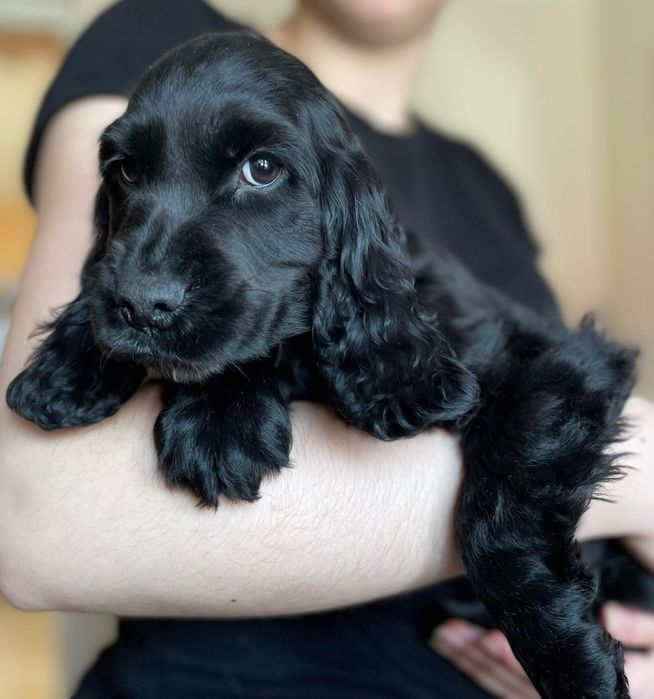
389, 368
68, 381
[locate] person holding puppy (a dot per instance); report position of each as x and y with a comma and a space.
152, 554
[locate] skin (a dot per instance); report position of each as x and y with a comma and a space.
85, 522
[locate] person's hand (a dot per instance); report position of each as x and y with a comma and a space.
635, 629
486, 657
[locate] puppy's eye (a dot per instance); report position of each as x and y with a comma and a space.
260, 172
128, 173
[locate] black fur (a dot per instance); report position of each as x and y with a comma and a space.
244, 299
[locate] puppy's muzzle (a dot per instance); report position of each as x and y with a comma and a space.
149, 303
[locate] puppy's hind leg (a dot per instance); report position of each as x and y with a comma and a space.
534, 457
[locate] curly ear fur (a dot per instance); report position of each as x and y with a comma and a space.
389, 369
68, 381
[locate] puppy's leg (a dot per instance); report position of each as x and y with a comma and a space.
68, 381
224, 435
534, 457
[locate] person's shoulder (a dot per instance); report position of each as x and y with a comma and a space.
148, 26
465, 156
491, 193
473, 167
159, 12
114, 51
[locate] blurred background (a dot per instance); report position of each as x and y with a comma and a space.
559, 95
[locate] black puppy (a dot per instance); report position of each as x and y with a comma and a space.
246, 253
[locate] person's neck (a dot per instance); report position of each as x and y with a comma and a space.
374, 81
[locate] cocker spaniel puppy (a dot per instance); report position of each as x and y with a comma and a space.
247, 254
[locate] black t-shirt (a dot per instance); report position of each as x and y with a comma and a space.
442, 191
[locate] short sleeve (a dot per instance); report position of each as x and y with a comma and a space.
115, 50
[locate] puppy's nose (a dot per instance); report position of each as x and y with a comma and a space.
150, 303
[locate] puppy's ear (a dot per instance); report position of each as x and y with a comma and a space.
68, 381
389, 368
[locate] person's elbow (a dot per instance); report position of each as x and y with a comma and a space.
23, 583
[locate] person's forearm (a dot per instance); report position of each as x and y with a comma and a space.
85, 522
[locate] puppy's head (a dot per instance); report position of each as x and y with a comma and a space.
210, 209
237, 210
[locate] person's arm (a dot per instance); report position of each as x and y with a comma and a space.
86, 524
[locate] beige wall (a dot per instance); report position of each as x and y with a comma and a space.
559, 94
627, 64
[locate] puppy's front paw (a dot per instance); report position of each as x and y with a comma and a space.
54, 394
68, 381
39, 397
211, 446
